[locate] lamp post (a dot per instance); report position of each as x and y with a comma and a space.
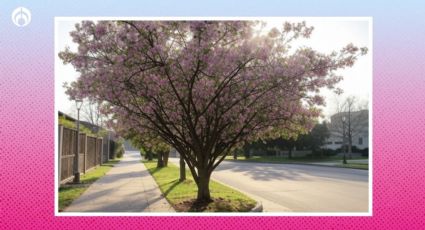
78, 104
344, 159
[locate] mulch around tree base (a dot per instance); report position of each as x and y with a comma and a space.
216, 205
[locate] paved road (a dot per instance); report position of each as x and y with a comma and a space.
298, 188
127, 187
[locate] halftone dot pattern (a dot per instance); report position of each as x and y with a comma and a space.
27, 138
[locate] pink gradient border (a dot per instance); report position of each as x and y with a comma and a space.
27, 146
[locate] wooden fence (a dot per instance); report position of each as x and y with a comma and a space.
90, 152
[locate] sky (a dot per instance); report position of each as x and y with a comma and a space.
329, 34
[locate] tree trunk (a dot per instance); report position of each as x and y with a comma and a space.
182, 169
150, 157
235, 155
350, 145
165, 156
290, 153
160, 163
203, 184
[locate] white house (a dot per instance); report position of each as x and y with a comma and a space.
174, 153
359, 123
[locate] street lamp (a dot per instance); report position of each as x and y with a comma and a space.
78, 103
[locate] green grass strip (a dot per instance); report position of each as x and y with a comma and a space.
303, 160
355, 166
68, 194
182, 194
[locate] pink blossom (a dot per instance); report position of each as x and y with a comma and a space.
203, 84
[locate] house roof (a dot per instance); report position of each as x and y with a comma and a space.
92, 127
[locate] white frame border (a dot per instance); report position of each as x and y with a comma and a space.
169, 214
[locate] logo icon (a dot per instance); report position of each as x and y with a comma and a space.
21, 17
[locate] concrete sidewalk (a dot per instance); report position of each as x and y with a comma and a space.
127, 187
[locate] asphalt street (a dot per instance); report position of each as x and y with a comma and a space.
297, 188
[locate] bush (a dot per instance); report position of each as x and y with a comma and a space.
119, 148
365, 152
247, 154
330, 152
354, 149
147, 155
72, 125
309, 155
120, 151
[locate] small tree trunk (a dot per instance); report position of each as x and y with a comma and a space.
235, 155
165, 156
344, 159
290, 153
350, 145
182, 169
203, 184
160, 163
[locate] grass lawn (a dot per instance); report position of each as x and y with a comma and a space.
354, 166
303, 160
69, 193
275, 159
182, 195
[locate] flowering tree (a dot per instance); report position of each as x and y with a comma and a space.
203, 87
149, 144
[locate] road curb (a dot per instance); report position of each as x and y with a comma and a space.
329, 166
258, 207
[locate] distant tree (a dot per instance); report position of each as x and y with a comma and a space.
317, 137
90, 112
255, 146
312, 140
150, 144
284, 143
350, 120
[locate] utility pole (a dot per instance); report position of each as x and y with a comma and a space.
344, 159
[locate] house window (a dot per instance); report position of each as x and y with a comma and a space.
360, 140
338, 142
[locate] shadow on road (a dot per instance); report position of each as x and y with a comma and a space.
269, 172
